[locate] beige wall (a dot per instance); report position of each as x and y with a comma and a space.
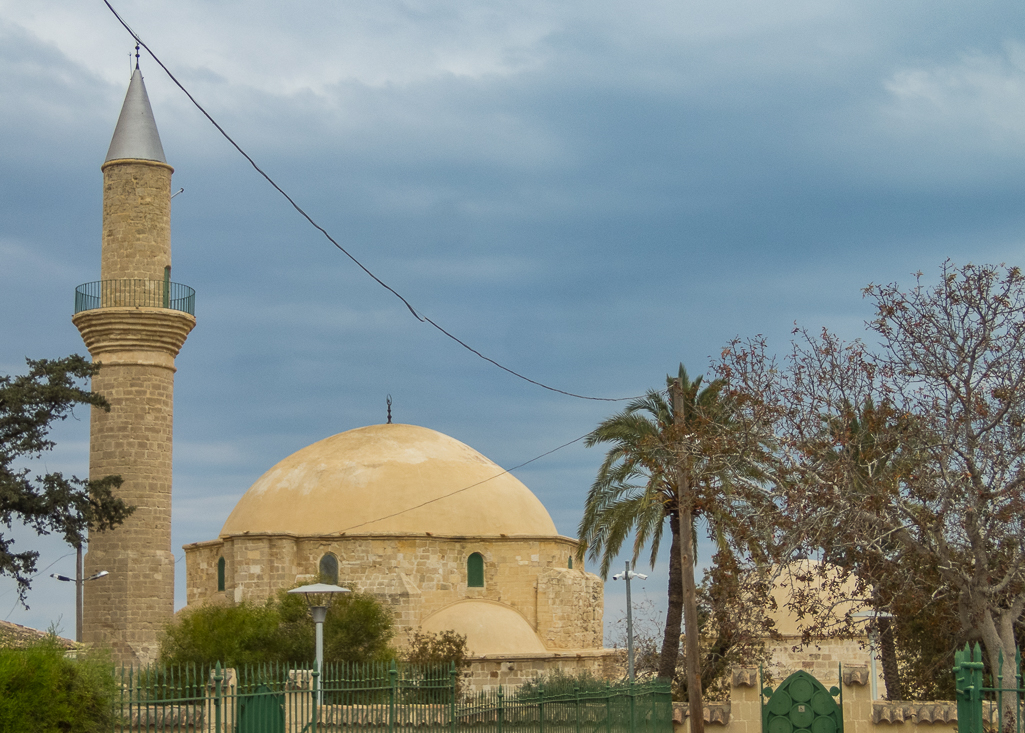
861, 714
136, 220
136, 347
416, 576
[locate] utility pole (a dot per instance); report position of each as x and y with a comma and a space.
629, 575
685, 513
79, 581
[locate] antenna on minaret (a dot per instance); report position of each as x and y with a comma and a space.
389, 409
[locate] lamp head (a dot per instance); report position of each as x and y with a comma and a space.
319, 595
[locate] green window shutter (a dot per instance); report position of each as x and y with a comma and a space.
475, 571
220, 574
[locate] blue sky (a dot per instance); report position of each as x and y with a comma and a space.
588, 193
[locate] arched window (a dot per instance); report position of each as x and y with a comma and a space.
329, 569
220, 574
475, 571
570, 562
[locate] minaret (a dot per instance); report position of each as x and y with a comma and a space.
134, 321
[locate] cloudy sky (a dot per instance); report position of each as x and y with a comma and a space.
588, 193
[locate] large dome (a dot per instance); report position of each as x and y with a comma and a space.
389, 479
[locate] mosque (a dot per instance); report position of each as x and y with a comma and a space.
442, 535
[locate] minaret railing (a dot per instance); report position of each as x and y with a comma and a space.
132, 293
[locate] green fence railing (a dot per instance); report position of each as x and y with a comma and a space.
135, 293
374, 698
997, 707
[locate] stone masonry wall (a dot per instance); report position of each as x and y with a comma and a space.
128, 608
820, 658
861, 714
136, 220
418, 576
510, 672
570, 609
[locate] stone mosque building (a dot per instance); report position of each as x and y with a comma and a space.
431, 527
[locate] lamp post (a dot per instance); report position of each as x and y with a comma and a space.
79, 581
873, 640
318, 596
628, 576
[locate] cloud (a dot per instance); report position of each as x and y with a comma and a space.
980, 99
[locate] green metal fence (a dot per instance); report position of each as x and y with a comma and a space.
981, 708
378, 698
135, 293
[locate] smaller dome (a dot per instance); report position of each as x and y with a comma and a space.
489, 627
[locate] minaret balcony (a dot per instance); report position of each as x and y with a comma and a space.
129, 293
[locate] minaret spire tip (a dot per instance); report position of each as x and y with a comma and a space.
136, 55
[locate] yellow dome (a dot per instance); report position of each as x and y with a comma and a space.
489, 628
389, 479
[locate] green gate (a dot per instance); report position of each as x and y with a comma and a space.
801, 705
261, 711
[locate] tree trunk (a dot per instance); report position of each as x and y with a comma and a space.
685, 505
674, 613
888, 651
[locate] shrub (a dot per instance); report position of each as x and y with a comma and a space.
438, 651
235, 636
358, 629
42, 690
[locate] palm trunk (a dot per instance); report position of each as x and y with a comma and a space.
685, 503
674, 613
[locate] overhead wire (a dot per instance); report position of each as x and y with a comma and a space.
419, 316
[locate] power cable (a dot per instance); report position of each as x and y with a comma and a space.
420, 317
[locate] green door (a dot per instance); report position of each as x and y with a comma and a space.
801, 705
261, 711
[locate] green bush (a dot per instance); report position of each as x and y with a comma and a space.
429, 654
235, 636
42, 690
358, 629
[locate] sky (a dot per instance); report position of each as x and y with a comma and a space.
588, 193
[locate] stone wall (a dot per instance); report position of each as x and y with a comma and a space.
488, 673
820, 658
861, 714
136, 220
416, 576
136, 347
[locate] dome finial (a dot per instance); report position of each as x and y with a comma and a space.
389, 409
136, 55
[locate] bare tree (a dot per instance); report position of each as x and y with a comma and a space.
948, 382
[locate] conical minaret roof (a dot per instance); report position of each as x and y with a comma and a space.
136, 133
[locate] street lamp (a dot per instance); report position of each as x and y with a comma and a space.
78, 580
318, 596
873, 641
628, 576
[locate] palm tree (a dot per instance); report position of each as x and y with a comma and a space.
638, 485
